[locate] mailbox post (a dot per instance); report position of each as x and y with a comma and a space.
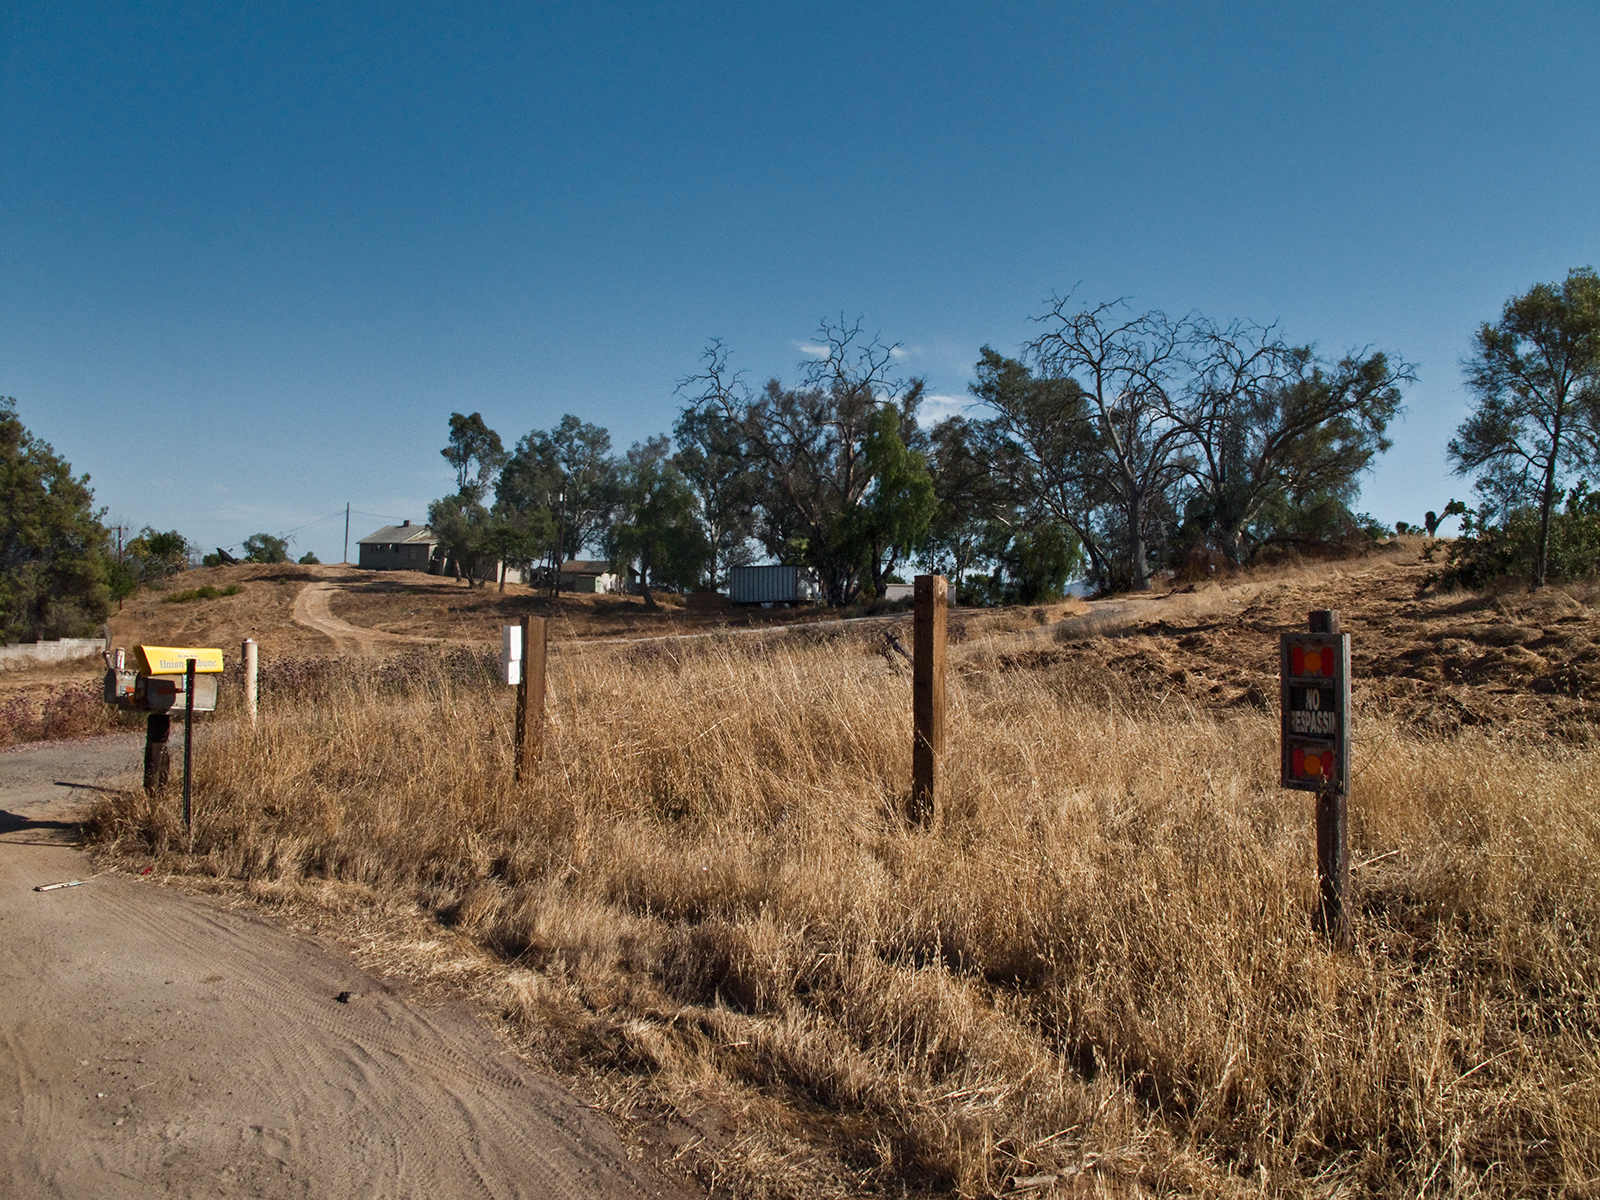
1314, 683
163, 680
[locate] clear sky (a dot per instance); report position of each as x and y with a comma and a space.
253, 256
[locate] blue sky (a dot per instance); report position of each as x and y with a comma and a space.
252, 257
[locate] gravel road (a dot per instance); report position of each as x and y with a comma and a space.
156, 1044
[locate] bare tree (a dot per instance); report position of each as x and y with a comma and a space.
1125, 365
810, 445
1266, 419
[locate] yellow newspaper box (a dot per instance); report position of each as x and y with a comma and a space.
156, 682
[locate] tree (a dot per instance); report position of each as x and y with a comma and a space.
1535, 376
974, 488
655, 526
898, 508
808, 447
567, 474
473, 442
1124, 366
154, 554
726, 488
52, 560
461, 525
1044, 432
265, 548
1268, 421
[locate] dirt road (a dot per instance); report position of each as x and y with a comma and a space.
311, 610
154, 1043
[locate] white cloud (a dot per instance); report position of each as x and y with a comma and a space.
936, 407
811, 348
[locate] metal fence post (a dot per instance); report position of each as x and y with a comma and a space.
931, 596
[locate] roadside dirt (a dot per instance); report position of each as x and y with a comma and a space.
158, 1043
1515, 663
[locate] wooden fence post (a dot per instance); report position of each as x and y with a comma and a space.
927, 697
247, 653
530, 695
1333, 832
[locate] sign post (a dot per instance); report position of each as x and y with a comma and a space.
1314, 689
522, 656
188, 744
931, 596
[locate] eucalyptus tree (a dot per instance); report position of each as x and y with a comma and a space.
654, 527
725, 485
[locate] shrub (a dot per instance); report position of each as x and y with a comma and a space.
1489, 551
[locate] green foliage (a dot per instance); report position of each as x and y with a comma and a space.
308, 559
463, 527
1535, 374
122, 580
555, 493
1039, 562
893, 521
264, 548
1494, 546
655, 529
156, 554
807, 451
473, 443
52, 561
206, 592
726, 488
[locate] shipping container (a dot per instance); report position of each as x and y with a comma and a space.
771, 585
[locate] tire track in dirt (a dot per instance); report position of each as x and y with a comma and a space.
311, 610
155, 1043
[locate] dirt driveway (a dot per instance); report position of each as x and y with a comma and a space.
155, 1043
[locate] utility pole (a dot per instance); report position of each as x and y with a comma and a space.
347, 533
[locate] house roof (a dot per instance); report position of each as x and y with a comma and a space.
586, 566
400, 533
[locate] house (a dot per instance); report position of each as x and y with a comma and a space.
589, 575
403, 547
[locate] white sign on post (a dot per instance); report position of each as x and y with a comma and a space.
511, 654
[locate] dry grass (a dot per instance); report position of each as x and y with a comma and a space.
1099, 964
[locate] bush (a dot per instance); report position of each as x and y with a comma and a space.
1488, 552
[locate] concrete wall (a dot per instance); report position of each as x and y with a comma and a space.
27, 654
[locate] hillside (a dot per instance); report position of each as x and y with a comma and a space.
1512, 661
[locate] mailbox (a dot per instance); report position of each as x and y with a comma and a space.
157, 684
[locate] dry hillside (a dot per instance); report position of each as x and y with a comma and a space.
1096, 973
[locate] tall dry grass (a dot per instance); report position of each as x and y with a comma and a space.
1099, 964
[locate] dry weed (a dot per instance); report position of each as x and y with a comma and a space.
1098, 965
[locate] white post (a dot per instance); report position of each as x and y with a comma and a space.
248, 656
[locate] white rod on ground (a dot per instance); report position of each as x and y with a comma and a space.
247, 655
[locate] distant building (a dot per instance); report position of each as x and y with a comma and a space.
589, 575
403, 547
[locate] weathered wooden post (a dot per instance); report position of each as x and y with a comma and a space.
530, 695
931, 596
247, 655
157, 758
1314, 672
